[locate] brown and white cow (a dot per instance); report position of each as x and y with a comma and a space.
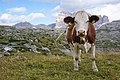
80, 34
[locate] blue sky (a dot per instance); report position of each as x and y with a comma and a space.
45, 11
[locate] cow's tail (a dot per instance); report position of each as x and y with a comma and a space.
60, 36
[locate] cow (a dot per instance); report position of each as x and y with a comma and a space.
81, 36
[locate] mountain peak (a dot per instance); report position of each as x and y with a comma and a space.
23, 25
29, 25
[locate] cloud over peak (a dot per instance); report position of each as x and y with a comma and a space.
12, 19
96, 7
47, 0
57, 8
73, 5
17, 9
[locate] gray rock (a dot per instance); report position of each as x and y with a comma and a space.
7, 48
7, 54
46, 49
108, 37
1, 55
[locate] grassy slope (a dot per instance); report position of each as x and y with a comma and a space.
31, 66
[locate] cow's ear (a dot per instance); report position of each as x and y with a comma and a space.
68, 20
93, 19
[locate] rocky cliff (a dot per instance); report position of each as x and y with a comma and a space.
102, 20
108, 37
24, 25
59, 20
38, 40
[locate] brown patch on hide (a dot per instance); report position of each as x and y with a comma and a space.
72, 38
69, 33
91, 33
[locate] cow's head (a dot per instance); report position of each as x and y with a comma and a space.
80, 21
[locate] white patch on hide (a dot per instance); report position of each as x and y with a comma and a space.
81, 19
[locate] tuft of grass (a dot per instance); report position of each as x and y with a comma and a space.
31, 66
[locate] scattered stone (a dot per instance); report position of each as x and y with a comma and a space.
6, 54
1, 55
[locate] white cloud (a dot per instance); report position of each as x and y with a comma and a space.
47, 0
12, 19
17, 9
75, 5
33, 16
112, 11
8, 1
99, 7
55, 14
57, 8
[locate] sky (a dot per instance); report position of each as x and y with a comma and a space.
45, 11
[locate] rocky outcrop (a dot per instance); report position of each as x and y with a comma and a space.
108, 36
52, 25
102, 20
59, 20
24, 25
26, 40
37, 40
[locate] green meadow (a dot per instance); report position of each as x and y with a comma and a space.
36, 66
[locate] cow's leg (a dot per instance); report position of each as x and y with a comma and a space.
87, 47
76, 56
71, 49
92, 55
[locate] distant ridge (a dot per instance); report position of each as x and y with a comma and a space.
29, 25
23, 25
108, 37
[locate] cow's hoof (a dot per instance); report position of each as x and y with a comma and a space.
76, 69
95, 70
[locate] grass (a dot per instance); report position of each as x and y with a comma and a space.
31, 66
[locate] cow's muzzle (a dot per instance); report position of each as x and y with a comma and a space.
81, 33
